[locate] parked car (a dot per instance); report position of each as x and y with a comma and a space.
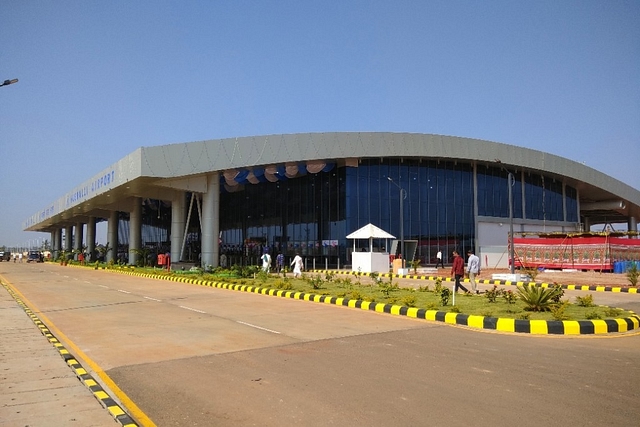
5, 256
35, 256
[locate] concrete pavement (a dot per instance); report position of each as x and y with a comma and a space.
41, 384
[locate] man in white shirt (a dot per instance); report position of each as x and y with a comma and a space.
439, 259
473, 269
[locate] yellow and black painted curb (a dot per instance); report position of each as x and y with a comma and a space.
571, 287
98, 392
536, 327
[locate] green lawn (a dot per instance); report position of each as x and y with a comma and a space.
388, 292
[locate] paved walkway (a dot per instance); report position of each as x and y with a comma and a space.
37, 387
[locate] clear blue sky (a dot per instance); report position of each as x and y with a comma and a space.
99, 79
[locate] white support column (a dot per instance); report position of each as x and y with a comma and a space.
112, 236
78, 236
135, 231
177, 224
211, 222
91, 238
58, 241
68, 232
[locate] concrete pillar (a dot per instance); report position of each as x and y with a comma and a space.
68, 232
211, 222
52, 244
632, 224
91, 238
112, 236
135, 231
58, 241
178, 222
586, 224
78, 237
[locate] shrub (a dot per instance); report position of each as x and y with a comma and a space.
509, 296
432, 306
437, 289
531, 272
493, 294
557, 310
612, 312
445, 294
559, 293
537, 298
262, 276
454, 309
585, 301
593, 315
283, 284
409, 300
633, 273
355, 294
315, 282
524, 316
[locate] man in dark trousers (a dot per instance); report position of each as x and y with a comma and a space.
457, 271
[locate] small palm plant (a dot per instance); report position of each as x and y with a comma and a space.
415, 264
633, 273
537, 298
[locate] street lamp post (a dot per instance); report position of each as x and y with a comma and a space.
9, 82
510, 183
403, 195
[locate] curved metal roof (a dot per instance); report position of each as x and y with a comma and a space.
153, 171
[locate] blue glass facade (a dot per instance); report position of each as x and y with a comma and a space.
312, 214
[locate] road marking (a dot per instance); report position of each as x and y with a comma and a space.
153, 299
123, 291
192, 309
258, 327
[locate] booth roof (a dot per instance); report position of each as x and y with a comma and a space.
370, 231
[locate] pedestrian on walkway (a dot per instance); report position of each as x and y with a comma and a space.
297, 266
439, 259
280, 262
473, 269
457, 271
266, 262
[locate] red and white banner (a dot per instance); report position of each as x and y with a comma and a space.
582, 253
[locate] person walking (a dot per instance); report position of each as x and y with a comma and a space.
297, 266
266, 262
439, 259
280, 262
457, 271
473, 269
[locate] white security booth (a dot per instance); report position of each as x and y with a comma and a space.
370, 261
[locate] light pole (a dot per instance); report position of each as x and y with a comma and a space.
510, 183
9, 82
403, 195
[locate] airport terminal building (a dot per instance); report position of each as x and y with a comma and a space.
304, 193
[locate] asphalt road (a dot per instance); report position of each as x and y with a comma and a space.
188, 355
